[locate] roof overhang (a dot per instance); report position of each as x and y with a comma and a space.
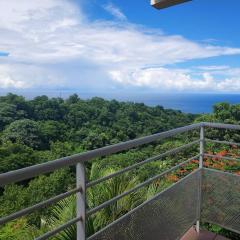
159, 4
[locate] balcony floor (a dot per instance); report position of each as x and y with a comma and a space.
204, 235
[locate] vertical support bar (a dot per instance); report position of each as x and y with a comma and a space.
201, 161
81, 200
202, 138
198, 226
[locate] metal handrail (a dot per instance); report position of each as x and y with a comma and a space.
79, 159
38, 206
220, 171
221, 157
221, 125
139, 164
141, 205
221, 142
147, 182
59, 229
33, 171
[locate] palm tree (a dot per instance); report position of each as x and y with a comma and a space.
61, 213
108, 190
65, 210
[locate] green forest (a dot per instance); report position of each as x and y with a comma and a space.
43, 129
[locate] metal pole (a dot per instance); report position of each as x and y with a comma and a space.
201, 159
81, 201
202, 139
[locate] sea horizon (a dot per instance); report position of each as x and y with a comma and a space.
196, 103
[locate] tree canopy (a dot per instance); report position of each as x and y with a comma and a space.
43, 129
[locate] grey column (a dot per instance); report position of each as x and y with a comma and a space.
202, 137
201, 159
81, 200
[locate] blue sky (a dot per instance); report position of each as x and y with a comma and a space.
103, 45
215, 22
198, 20
4, 54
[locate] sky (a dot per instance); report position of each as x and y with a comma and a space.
120, 45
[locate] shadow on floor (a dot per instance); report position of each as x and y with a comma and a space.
204, 235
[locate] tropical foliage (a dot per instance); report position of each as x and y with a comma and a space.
44, 129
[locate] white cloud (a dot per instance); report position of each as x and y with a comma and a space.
6, 80
176, 79
213, 68
163, 79
16, 14
21, 76
115, 11
44, 37
229, 84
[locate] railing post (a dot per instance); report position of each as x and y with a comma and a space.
201, 162
202, 138
81, 201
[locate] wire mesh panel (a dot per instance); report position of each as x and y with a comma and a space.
167, 216
221, 199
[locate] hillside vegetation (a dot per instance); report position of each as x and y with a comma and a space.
43, 129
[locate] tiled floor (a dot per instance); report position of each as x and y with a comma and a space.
204, 235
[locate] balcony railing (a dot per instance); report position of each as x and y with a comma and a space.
206, 195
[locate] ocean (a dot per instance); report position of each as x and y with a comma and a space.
191, 103
185, 102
